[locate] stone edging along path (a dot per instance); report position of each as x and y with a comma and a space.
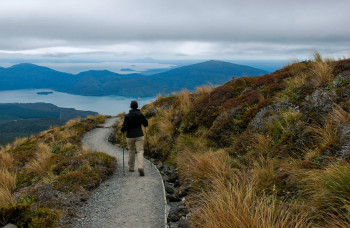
123, 200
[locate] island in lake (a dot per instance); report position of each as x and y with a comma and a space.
44, 93
126, 69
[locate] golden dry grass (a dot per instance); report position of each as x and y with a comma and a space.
310, 153
49, 137
191, 144
184, 101
7, 179
72, 122
339, 221
41, 164
66, 134
19, 141
327, 134
262, 144
330, 188
203, 90
339, 115
204, 167
263, 174
5, 197
234, 203
321, 70
152, 136
165, 125
6, 148
6, 160
165, 129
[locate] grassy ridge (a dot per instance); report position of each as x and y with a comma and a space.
42, 178
268, 151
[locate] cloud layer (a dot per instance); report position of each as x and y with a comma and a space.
226, 29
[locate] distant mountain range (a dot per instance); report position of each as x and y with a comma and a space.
103, 82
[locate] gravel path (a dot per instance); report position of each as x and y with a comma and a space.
122, 201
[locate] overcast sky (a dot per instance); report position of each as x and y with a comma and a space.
111, 30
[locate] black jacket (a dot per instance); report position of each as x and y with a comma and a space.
132, 123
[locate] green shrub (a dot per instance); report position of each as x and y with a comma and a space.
23, 216
16, 214
44, 218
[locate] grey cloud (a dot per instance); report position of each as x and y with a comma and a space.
31, 24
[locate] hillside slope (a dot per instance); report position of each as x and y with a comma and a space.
44, 178
268, 151
99, 83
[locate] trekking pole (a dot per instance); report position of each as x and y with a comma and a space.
123, 153
149, 151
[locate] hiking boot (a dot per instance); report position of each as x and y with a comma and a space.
142, 173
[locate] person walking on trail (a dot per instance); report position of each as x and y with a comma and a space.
134, 136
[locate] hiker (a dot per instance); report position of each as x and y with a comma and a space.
134, 136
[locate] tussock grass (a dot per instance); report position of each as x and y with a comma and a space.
41, 164
339, 220
263, 174
339, 115
330, 188
6, 160
184, 101
191, 143
5, 197
7, 179
327, 135
5, 148
321, 70
234, 203
67, 134
310, 153
262, 144
165, 125
203, 90
203, 168
72, 122
275, 176
19, 141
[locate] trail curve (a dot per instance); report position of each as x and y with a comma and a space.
122, 201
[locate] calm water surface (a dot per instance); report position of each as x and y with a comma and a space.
110, 105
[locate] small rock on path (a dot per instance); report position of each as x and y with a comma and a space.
122, 201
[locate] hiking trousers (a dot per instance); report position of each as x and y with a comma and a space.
135, 144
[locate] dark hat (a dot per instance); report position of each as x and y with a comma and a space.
134, 105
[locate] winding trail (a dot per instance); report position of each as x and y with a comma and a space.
122, 201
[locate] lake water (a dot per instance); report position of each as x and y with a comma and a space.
110, 105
